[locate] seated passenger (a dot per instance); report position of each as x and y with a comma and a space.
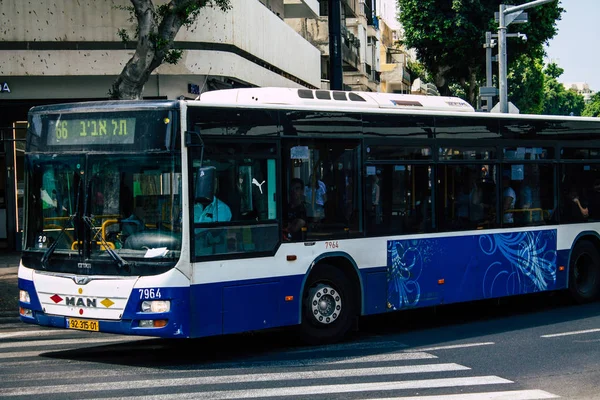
509, 199
134, 222
576, 208
296, 211
315, 194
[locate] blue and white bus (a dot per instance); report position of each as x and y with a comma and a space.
258, 208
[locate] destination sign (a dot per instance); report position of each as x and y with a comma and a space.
91, 131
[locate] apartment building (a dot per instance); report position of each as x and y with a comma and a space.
581, 88
359, 42
395, 76
69, 50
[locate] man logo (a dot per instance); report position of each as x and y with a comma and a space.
80, 302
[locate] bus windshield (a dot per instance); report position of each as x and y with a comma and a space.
113, 207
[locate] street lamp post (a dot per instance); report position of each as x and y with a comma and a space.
507, 15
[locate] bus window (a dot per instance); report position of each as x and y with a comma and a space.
398, 199
242, 215
532, 186
466, 196
328, 171
580, 193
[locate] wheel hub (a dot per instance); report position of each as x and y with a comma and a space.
325, 303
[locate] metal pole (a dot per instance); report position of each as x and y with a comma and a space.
336, 77
525, 6
488, 68
502, 63
502, 71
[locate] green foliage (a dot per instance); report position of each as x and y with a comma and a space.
155, 28
457, 90
182, 12
592, 109
417, 70
526, 90
448, 36
553, 71
124, 35
558, 100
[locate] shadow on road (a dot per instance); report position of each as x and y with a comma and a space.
409, 329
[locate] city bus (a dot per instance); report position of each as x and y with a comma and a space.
259, 208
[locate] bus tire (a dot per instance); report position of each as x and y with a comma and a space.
584, 272
328, 306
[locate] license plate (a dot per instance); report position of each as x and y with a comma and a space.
82, 324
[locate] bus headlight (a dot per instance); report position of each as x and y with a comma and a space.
24, 296
156, 306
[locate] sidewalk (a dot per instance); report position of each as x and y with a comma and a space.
9, 263
9, 293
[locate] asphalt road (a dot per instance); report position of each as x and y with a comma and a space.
534, 347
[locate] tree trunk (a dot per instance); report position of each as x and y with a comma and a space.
440, 80
471, 94
148, 54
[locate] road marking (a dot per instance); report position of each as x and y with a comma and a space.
381, 357
454, 346
507, 395
263, 392
43, 343
30, 333
571, 333
351, 346
77, 374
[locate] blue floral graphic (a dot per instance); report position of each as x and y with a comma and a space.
405, 261
422, 272
525, 262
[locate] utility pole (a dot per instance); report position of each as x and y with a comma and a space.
488, 92
336, 77
507, 15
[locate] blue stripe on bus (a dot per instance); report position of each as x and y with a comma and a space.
245, 306
419, 273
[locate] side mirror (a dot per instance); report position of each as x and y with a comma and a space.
204, 190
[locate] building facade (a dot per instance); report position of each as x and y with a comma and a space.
581, 88
69, 50
359, 42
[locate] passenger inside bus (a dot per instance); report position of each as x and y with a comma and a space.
315, 194
296, 211
576, 206
509, 198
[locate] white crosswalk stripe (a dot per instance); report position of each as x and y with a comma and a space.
350, 370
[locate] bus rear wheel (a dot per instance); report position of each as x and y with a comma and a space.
329, 306
584, 272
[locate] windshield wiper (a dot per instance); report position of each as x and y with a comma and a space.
121, 263
54, 244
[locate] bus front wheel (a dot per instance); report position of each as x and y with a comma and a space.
329, 306
584, 272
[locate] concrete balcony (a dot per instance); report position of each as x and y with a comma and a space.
316, 31
249, 43
351, 7
301, 8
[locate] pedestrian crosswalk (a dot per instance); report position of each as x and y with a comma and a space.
49, 364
